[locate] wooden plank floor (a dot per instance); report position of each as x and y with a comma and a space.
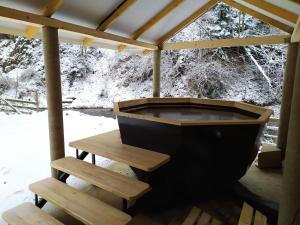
109, 145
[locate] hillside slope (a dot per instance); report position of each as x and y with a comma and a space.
97, 77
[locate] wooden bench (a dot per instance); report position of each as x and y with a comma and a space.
82, 206
28, 214
118, 184
248, 215
109, 145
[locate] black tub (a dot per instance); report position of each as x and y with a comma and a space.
211, 142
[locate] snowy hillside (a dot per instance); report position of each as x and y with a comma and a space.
97, 77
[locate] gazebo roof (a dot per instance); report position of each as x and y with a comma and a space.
130, 24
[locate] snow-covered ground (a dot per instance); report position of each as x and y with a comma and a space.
25, 156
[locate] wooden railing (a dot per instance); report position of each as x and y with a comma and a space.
16, 104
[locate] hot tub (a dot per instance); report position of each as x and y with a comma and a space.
211, 142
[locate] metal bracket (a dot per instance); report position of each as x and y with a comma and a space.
39, 202
94, 159
124, 204
61, 176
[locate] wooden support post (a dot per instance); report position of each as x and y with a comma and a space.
156, 73
54, 98
290, 197
287, 94
37, 100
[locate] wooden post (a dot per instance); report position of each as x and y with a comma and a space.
156, 73
54, 98
287, 94
290, 197
37, 101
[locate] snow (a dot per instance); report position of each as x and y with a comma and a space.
98, 77
25, 156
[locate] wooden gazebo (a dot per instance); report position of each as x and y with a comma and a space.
145, 26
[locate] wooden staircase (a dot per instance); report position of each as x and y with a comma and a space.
82, 206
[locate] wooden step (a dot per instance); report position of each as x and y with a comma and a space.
118, 184
28, 214
246, 216
199, 217
82, 206
109, 145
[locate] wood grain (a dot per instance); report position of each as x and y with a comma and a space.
246, 215
260, 16
263, 112
83, 207
54, 23
28, 214
158, 17
234, 42
199, 12
259, 218
296, 32
122, 8
120, 185
109, 145
273, 9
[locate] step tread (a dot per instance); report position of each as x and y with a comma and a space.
28, 214
82, 206
109, 145
118, 184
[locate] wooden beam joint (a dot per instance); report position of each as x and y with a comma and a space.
187, 21
125, 5
296, 32
158, 17
47, 11
260, 16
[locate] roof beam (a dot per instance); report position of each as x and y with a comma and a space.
259, 16
296, 32
11, 31
47, 11
273, 9
159, 16
187, 21
235, 42
126, 4
51, 7
88, 32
